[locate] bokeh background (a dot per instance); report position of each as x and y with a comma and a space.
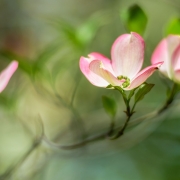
49, 95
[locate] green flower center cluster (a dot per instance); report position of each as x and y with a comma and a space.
126, 83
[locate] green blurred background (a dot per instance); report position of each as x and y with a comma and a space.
48, 38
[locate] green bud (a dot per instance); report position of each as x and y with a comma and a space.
125, 84
120, 77
127, 80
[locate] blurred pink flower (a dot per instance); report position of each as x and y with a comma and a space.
168, 50
124, 70
6, 74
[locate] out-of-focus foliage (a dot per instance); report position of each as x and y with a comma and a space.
134, 19
173, 26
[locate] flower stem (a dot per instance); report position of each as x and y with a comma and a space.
129, 112
170, 98
175, 89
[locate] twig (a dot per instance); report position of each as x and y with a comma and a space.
105, 135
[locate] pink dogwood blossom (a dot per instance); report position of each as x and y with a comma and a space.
6, 74
123, 70
168, 50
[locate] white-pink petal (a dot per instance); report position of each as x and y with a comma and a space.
176, 58
127, 54
160, 54
143, 75
173, 41
6, 74
164, 52
97, 67
107, 62
92, 77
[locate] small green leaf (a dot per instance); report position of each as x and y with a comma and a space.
142, 91
109, 105
134, 19
173, 27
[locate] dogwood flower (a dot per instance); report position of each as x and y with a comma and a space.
6, 74
123, 70
168, 50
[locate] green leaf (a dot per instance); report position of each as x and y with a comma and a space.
134, 19
142, 91
173, 27
109, 105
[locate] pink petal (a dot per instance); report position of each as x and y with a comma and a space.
127, 54
92, 77
160, 54
97, 67
6, 74
105, 60
176, 58
163, 52
143, 75
173, 41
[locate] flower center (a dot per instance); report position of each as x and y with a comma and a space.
126, 83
